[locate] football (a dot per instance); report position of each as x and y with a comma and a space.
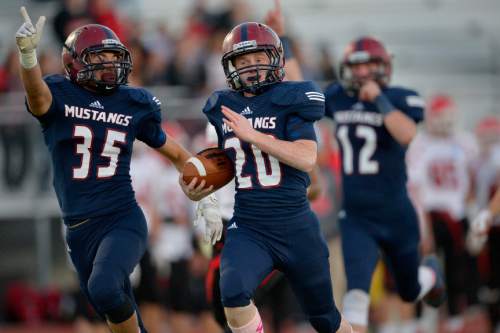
211, 165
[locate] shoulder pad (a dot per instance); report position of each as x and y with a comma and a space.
290, 93
213, 101
142, 96
333, 89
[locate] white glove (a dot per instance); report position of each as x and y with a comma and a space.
475, 242
481, 223
208, 209
27, 38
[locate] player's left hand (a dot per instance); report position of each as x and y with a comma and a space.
193, 191
481, 224
475, 242
240, 125
369, 91
275, 20
208, 209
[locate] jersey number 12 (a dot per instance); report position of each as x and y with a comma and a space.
366, 165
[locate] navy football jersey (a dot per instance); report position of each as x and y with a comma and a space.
266, 188
373, 162
90, 138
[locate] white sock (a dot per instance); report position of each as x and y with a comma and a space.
388, 328
455, 323
254, 326
427, 279
409, 326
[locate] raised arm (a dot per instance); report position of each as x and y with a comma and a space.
275, 20
402, 128
27, 38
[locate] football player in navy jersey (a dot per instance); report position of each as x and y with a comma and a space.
266, 126
374, 124
90, 119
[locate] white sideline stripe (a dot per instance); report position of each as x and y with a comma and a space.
198, 165
316, 99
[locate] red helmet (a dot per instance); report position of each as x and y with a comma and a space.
441, 115
93, 39
488, 130
252, 37
365, 50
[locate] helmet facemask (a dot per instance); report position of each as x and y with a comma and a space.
113, 73
352, 83
274, 71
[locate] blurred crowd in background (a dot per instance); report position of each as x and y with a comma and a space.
171, 288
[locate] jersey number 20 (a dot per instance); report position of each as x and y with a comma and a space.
268, 167
366, 165
109, 150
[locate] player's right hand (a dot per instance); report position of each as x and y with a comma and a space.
275, 20
28, 36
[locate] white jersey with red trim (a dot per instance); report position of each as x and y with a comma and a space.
439, 168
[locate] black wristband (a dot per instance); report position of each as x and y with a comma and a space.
287, 47
383, 104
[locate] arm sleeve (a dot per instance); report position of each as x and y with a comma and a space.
328, 104
412, 105
150, 131
299, 128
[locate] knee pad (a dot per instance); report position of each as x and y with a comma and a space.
105, 294
121, 313
408, 297
356, 303
327, 322
232, 289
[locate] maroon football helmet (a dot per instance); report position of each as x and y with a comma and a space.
365, 50
252, 37
94, 39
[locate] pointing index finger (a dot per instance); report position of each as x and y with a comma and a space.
277, 5
24, 14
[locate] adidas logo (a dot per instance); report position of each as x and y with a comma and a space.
96, 104
232, 226
246, 111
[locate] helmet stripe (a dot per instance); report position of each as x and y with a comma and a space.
108, 33
359, 44
244, 32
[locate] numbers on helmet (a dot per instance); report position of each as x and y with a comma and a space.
268, 170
